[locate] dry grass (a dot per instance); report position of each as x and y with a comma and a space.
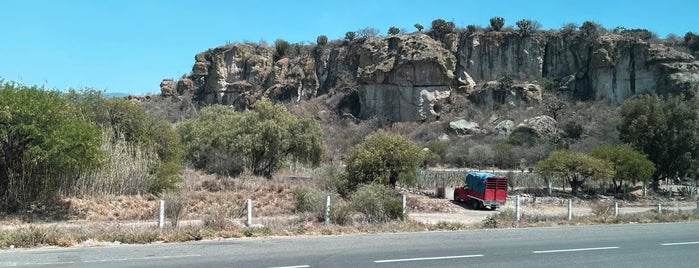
214, 208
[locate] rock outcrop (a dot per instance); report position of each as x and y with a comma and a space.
464, 127
413, 77
542, 126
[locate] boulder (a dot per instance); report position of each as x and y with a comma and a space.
167, 88
542, 126
504, 128
463, 127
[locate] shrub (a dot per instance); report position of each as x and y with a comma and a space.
506, 81
573, 130
174, 205
691, 40
368, 32
528, 26
349, 36
341, 213
591, 30
393, 30
419, 27
307, 200
440, 28
377, 203
503, 219
497, 23
281, 48
322, 40
471, 28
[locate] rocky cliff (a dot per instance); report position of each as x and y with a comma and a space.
413, 77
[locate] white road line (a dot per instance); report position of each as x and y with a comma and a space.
297, 266
48, 263
680, 243
571, 250
428, 258
144, 258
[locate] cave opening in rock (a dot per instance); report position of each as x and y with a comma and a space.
349, 104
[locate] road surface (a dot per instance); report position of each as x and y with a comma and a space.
628, 245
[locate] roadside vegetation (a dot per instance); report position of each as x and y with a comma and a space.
78, 168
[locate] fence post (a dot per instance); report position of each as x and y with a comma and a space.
161, 218
517, 207
404, 204
570, 209
249, 211
660, 209
616, 209
327, 210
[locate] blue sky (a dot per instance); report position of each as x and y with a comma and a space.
128, 46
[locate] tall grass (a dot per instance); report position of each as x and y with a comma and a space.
125, 171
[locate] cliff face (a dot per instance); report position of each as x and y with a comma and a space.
412, 77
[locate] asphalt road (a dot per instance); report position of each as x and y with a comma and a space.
628, 245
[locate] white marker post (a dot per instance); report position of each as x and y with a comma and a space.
570, 209
404, 203
660, 209
517, 207
616, 209
327, 210
249, 210
161, 218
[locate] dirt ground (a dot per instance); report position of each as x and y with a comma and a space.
429, 209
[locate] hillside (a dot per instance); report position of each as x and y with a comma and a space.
418, 76
514, 95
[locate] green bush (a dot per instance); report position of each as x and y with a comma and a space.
419, 27
440, 28
573, 130
281, 48
306, 200
349, 36
341, 213
497, 23
528, 26
393, 30
377, 203
322, 40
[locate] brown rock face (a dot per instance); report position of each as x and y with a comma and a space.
411, 77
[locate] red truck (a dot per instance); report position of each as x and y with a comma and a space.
482, 190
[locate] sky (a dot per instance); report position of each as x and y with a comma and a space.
129, 46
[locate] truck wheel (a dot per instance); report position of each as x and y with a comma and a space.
474, 204
456, 198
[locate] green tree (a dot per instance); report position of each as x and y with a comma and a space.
574, 167
129, 123
590, 30
393, 30
349, 36
322, 40
691, 40
419, 27
627, 163
436, 152
665, 129
262, 139
44, 144
385, 159
282, 48
528, 26
441, 28
497, 23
